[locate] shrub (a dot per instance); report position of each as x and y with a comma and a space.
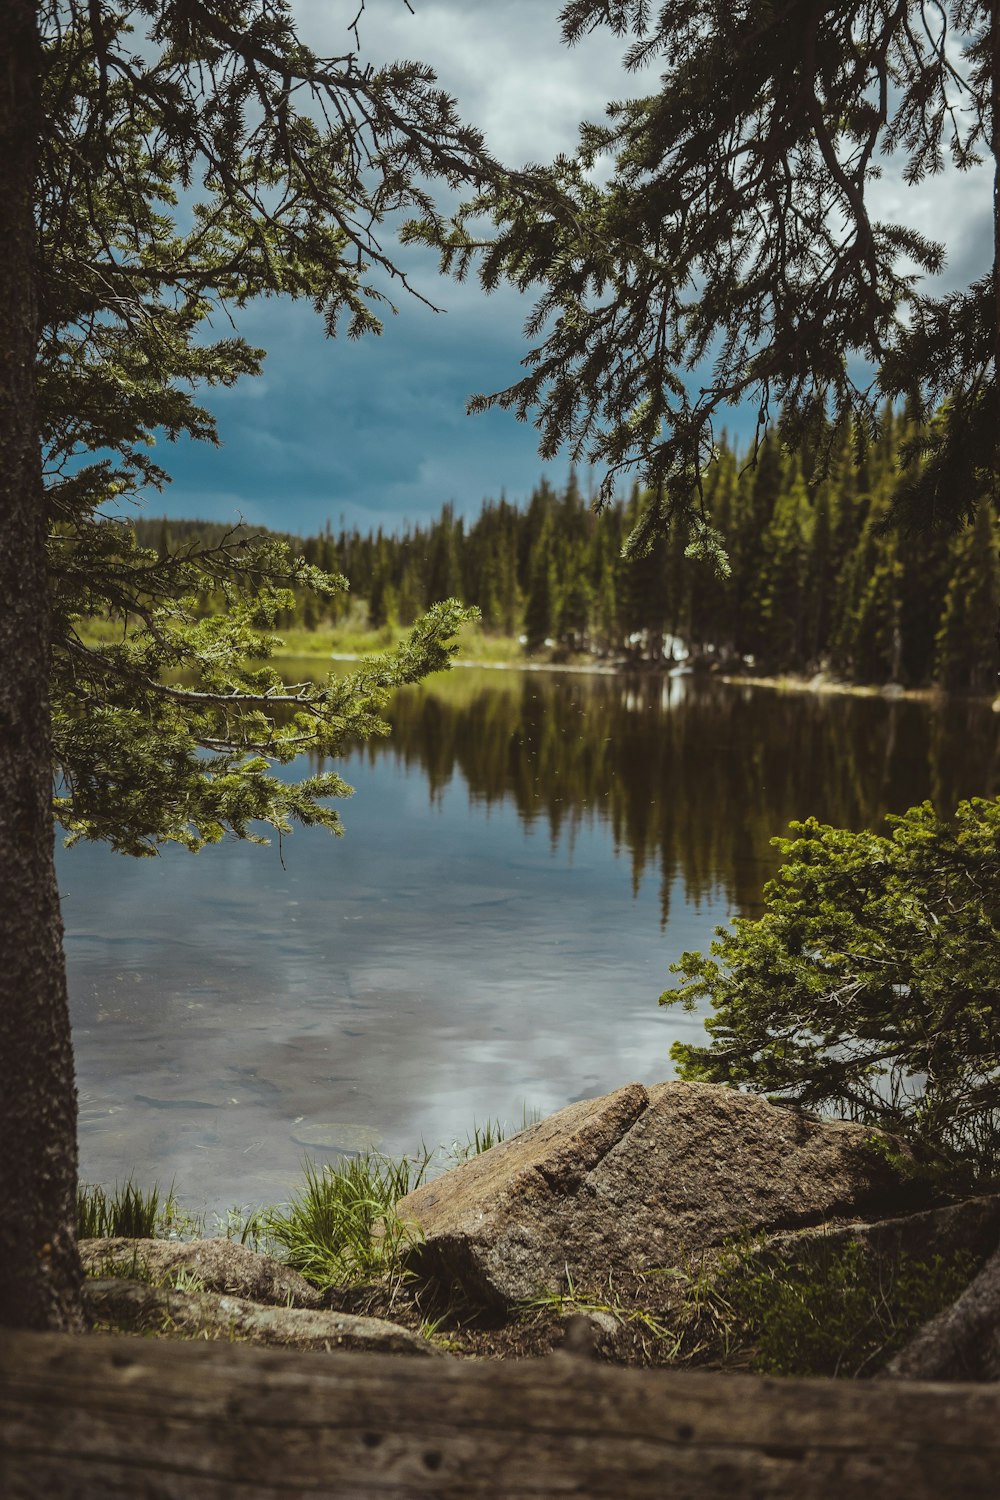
832, 1308
870, 987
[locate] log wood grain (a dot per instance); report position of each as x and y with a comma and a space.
113, 1416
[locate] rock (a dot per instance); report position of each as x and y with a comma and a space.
972, 1226
345, 1138
638, 1179
594, 1334
221, 1265
135, 1305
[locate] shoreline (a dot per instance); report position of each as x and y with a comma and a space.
819, 683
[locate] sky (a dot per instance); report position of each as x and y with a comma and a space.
374, 432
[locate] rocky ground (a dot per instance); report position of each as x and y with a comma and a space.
680, 1223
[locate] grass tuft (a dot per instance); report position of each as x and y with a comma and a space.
126, 1211
341, 1228
484, 1137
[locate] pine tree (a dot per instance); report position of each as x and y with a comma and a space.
785, 545
923, 556
712, 595
105, 298
381, 595
444, 568
510, 593
746, 180
868, 640
820, 578
606, 619
965, 654
643, 595
411, 602
539, 607
572, 614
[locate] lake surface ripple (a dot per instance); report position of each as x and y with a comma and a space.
525, 856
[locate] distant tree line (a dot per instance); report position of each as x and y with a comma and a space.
817, 581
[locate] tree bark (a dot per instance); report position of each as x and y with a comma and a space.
39, 1267
995, 151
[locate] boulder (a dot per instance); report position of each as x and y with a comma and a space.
638, 1179
220, 1265
136, 1305
970, 1227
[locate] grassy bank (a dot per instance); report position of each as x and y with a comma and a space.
480, 648
826, 1305
476, 646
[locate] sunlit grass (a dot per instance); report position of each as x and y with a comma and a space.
349, 639
342, 1228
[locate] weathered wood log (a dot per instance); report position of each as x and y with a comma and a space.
140, 1419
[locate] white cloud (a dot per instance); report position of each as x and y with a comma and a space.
504, 63
377, 430
954, 209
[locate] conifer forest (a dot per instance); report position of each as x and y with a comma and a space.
817, 579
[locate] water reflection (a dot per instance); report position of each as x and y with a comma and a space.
524, 858
693, 777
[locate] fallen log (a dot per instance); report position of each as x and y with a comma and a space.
113, 1416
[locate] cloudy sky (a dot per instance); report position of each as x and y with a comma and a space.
376, 432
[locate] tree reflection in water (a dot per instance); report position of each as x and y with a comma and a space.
694, 776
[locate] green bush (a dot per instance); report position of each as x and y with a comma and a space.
834, 1308
870, 987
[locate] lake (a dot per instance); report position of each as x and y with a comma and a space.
524, 858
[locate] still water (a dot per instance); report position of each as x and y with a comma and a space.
524, 858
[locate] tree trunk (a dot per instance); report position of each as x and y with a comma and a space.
39, 1268
995, 150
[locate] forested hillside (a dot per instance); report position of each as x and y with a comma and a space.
816, 582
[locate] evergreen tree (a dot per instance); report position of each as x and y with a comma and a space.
712, 596
289, 163
871, 983
970, 608
868, 641
539, 604
574, 601
746, 181
782, 627
643, 594
606, 615
411, 592
510, 593
820, 578
444, 568
381, 595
